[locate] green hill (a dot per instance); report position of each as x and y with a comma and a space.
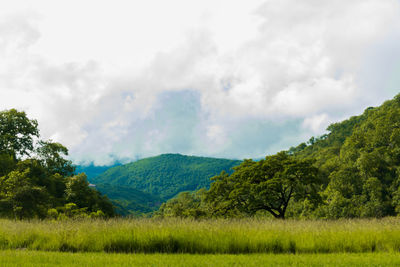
141, 187
166, 175
359, 162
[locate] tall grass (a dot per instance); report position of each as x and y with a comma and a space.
201, 237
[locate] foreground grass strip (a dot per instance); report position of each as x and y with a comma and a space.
203, 237
40, 258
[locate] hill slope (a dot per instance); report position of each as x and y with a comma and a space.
359, 162
129, 201
166, 175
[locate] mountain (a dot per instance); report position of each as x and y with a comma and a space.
166, 175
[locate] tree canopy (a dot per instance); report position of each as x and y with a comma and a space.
268, 185
17, 133
36, 180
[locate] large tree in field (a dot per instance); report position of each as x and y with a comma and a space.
268, 185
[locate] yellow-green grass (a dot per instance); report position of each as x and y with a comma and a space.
203, 237
40, 258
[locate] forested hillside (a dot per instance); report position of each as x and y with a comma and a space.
359, 164
130, 201
353, 171
166, 175
142, 186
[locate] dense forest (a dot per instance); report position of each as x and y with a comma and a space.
36, 181
351, 172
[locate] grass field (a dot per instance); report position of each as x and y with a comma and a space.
203, 237
40, 258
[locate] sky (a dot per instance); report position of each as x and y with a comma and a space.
124, 79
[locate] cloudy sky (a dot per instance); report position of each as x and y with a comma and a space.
121, 80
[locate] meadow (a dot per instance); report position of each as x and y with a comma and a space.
44, 259
241, 236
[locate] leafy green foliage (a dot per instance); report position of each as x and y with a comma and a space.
267, 185
52, 157
130, 201
185, 205
36, 181
17, 133
359, 162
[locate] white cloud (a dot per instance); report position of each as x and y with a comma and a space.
122, 79
317, 123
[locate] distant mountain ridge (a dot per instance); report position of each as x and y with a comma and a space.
166, 175
92, 170
141, 186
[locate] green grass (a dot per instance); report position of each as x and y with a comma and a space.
35, 258
203, 237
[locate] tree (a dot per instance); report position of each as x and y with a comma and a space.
78, 192
35, 177
268, 185
51, 155
218, 198
17, 133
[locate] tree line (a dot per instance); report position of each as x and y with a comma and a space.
353, 171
